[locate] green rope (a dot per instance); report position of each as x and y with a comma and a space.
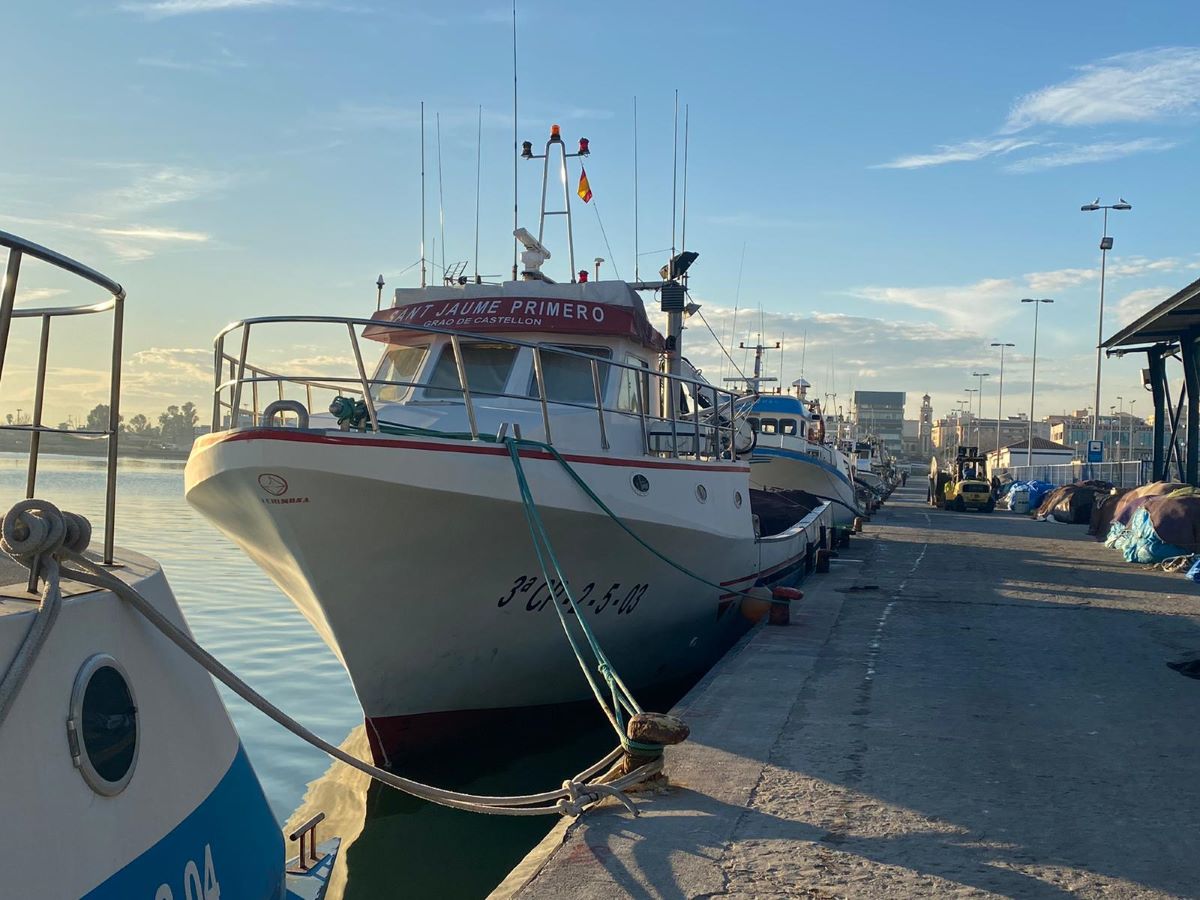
622, 698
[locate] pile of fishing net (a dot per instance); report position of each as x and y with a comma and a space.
1156, 522
1072, 504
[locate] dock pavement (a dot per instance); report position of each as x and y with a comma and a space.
968, 705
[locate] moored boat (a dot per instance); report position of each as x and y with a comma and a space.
396, 522
122, 773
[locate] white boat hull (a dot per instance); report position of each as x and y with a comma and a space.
413, 560
774, 468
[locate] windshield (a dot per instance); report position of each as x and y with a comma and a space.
398, 364
487, 366
569, 378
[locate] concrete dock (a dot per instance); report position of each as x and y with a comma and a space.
967, 705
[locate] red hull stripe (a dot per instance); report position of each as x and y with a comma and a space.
390, 443
771, 571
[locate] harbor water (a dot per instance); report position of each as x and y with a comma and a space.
395, 845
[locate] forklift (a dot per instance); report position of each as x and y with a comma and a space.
965, 486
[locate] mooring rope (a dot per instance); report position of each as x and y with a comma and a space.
37, 534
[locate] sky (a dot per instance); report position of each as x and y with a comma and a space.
876, 185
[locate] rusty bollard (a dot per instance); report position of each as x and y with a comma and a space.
781, 609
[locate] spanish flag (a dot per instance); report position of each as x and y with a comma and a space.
585, 189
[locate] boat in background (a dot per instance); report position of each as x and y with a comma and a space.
123, 775
794, 455
396, 521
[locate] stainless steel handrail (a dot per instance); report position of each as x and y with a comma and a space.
670, 384
18, 248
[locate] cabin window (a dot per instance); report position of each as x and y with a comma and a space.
398, 364
769, 426
487, 365
627, 400
787, 426
569, 378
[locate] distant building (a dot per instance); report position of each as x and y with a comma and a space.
912, 439
881, 414
1045, 453
965, 429
925, 428
1118, 433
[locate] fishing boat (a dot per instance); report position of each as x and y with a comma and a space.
793, 452
122, 773
396, 520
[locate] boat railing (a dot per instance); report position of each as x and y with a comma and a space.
706, 429
18, 249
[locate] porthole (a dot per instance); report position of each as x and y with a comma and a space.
102, 727
640, 483
701, 493
737, 499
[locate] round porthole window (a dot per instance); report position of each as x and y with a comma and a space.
701, 493
737, 499
640, 483
103, 725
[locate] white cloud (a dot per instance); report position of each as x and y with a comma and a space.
1137, 302
1139, 87
966, 151
1102, 151
152, 186
1142, 86
164, 8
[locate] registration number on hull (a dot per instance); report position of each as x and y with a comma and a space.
536, 594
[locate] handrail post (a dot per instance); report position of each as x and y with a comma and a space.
218, 371
114, 421
35, 439
235, 412
468, 403
696, 418
7, 297
362, 374
540, 376
599, 403
642, 400
254, 400
672, 402
732, 430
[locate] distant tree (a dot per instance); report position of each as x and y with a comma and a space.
9, 418
178, 424
97, 419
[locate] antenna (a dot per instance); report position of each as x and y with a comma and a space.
803, 351
516, 223
782, 338
674, 178
422, 193
637, 275
441, 207
478, 157
683, 228
737, 296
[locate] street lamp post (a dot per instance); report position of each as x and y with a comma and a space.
978, 423
1120, 413
970, 411
1000, 398
1131, 429
1106, 244
1037, 305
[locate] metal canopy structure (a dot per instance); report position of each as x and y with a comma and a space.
1170, 331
